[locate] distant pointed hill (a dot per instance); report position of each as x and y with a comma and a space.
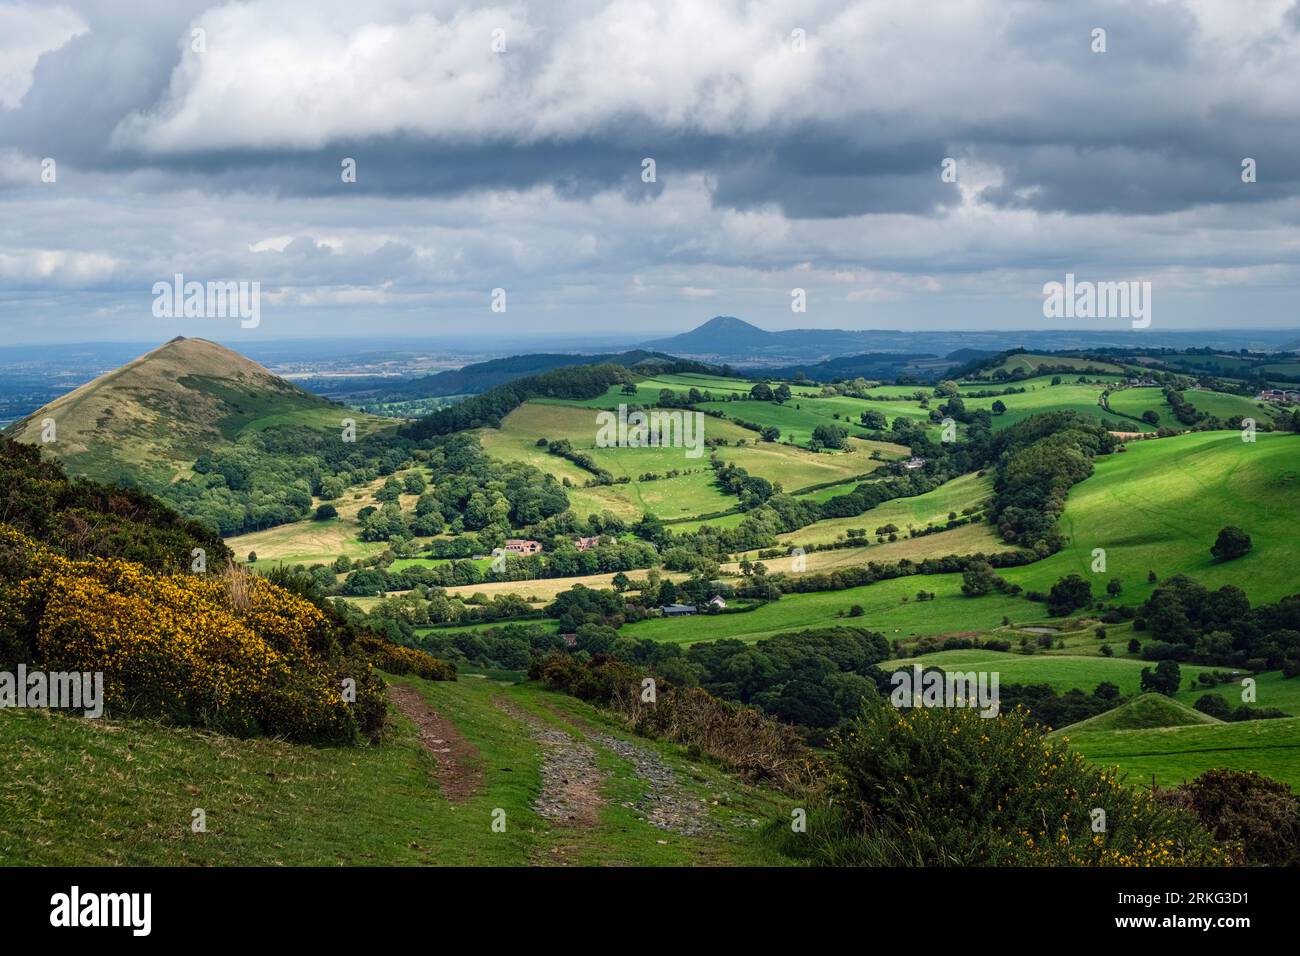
722, 334
727, 339
151, 418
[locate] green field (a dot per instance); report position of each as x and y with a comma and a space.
81, 792
967, 539
319, 542
795, 419
648, 389
1173, 755
690, 494
919, 511
1062, 671
546, 624
883, 603
1272, 690
1157, 506
1133, 402
1040, 395
1225, 406
726, 521
1289, 370
1031, 362
1067, 396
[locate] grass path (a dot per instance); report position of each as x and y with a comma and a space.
79, 792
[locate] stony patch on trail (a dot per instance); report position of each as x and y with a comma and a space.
460, 767
571, 780
665, 804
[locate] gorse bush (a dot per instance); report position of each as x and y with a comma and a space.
229, 651
397, 659
946, 787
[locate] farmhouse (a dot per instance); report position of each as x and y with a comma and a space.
678, 610
586, 544
718, 601
523, 546
913, 463
1279, 395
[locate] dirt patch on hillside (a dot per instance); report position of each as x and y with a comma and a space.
460, 766
571, 780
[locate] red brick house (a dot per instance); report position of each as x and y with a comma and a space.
523, 546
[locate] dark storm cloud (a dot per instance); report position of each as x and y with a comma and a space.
774, 168
1087, 138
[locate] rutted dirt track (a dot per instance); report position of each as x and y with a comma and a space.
571, 780
460, 767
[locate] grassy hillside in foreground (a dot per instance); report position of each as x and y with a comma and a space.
1177, 754
85, 792
1142, 713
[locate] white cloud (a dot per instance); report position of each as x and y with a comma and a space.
56, 267
28, 30
343, 71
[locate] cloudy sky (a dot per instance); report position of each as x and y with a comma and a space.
796, 144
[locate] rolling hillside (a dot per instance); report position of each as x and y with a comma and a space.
1155, 507
1158, 506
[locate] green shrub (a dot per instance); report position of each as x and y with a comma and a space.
1259, 817
944, 786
